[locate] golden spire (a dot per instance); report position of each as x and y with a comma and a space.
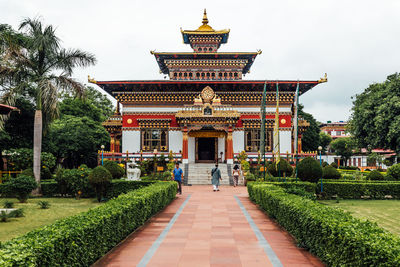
205, 19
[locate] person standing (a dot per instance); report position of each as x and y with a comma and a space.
178, 177
216, 176
236, 174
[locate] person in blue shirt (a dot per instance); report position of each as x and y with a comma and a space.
178, 177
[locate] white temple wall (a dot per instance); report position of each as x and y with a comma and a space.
191, 149
175, 139
221, 148
130, 141
285, 141
238, 141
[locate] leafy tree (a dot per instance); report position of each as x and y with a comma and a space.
94, 105
375, 119
76, 140
343, 147
22, 186
310, 138
40, 63
324, 141
99, 178
374, 159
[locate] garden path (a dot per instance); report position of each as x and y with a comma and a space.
206, 228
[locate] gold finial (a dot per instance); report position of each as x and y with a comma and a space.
324, 79
259, 51
205, 19
91, 80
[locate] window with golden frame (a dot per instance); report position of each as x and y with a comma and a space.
252, 140
154, 139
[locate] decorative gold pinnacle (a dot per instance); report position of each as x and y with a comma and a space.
324, 79
91, 80
205, 19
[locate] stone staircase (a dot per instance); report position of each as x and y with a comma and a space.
200, 174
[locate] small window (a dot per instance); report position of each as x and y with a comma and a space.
236, 74
207, 111
213, 74
200, 49
175, 74
220, 74
190, 74
202, 74
210, 49
197, 74
208, 74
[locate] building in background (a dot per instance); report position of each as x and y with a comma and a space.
205, 111
335, 129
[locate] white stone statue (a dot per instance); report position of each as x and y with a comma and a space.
133, 171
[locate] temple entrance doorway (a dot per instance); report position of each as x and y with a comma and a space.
206, 149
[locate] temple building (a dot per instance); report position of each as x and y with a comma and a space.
205, 111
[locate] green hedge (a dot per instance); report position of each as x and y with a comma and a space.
116, 187
355, 190
82, 239
333, 235
309, 187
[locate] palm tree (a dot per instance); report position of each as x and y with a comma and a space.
44, 67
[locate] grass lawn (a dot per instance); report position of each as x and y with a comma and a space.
386, 213
36, 217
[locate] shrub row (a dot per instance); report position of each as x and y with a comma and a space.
333, 235
306, 186
81, 239
356, 190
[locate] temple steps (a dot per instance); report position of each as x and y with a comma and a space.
200, 173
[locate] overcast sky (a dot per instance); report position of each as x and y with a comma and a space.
356, 42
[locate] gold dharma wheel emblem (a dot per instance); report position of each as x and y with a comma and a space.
283, 121
129, 121
207, 94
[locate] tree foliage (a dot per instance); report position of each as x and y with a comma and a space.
324, 141
310, 138
375, 119
343, 147
76, 140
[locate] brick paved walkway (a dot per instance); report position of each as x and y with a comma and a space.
211, 230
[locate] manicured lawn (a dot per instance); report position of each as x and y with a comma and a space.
386, 213
36, 217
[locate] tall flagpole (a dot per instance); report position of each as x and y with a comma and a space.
276, 134
262, 145
296, 126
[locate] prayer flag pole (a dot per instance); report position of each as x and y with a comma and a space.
296, 126
262, 145
276, 134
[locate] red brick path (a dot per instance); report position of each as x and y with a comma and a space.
211, 231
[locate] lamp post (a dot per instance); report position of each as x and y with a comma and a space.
320, 164
102, 154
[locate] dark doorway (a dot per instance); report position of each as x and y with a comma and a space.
205, 147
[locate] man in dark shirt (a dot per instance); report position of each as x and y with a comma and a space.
178, 177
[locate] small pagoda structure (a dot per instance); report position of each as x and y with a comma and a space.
205, 111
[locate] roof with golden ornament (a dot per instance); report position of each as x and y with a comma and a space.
205, 29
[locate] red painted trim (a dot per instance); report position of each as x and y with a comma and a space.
287, 118
135, 118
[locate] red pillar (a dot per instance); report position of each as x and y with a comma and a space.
185, 158
229, 148
112, 143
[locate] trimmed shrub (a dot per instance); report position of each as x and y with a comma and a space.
18, 213
329, 172
309, 170
118, 187
334, 165
99, 178
284, 168
333, 235
324, 164
44, 204
22, 186
82, 239
394, 172
45, 173
8, 204
375, 175
116, 171
357, 190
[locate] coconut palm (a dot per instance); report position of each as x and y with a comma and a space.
45, 68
